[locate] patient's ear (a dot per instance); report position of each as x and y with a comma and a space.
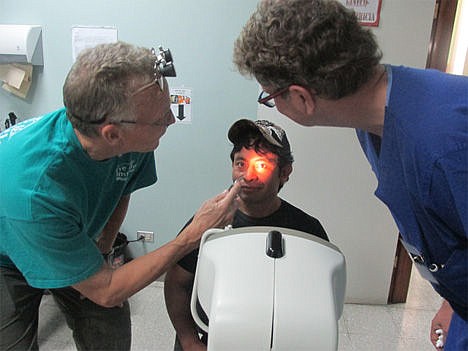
285, 172
303, 99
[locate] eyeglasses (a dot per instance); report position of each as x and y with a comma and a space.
159, 123
154, 124
267, 99
165, 121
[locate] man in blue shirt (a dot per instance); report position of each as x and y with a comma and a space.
321, 68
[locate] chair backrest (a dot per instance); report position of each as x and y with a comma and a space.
269, 288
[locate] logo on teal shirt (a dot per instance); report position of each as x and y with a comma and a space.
125, 170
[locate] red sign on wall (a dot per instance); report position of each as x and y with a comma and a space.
367, 11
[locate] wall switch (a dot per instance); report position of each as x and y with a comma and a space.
148, 236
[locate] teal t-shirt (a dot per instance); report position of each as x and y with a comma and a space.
55, 200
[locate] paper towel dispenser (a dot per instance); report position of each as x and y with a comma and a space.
20, 43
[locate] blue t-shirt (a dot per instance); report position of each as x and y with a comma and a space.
421, 163
55, 200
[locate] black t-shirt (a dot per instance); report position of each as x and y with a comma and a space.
287, 216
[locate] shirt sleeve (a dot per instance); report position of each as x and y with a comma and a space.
145, 176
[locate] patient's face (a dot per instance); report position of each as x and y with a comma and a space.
260, 173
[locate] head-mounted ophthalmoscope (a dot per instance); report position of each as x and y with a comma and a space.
163, 67
163, 63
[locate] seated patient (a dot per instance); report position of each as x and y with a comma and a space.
262, 162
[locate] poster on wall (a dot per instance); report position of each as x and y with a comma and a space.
367, 11
84, 37
181, 105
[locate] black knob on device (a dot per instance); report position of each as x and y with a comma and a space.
274, 244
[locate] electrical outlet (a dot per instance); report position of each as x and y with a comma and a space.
148, 236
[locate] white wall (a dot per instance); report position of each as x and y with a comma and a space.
333, 181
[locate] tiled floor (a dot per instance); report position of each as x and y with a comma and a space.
400, 327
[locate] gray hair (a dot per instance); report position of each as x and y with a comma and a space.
317, 44
99, 85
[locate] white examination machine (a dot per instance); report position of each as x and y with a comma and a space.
269, 288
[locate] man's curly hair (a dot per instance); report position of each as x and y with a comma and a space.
317, 44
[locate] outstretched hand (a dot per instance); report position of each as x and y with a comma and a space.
216, 212
440, 325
